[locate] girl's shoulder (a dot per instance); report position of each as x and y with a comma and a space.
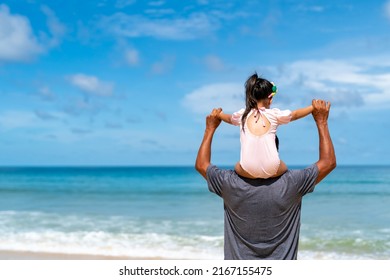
273, 111
236, 117
278, 111
281, 116
240, 112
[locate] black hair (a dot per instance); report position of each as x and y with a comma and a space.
256, 89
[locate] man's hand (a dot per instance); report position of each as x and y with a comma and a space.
213, 120
320, 111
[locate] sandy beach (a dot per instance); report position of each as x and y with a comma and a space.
26, 255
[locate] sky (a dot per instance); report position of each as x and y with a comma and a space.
130, 82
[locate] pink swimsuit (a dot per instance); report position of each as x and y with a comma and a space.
259, 156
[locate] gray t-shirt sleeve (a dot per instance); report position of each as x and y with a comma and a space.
216, 179
306, 179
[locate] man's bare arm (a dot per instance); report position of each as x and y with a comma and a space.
327, 156
203, 158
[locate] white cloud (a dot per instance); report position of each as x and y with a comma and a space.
344, 83
194, 26
203, 2
132, 56
14, 119
163, 66
387, 9
46, 122
45, 115
91, 85
124, 3
56, 28
357, 82
18, 42
159, 12
156, 3
229, 96
17, 119
46, 94
315, 8
214, 63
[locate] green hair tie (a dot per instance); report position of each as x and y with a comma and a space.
274, 90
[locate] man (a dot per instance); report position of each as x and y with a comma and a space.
262, 216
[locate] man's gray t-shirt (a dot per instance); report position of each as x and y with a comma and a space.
262, 216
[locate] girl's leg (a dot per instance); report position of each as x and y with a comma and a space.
240, 171
281, 170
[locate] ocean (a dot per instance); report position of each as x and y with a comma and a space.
168, 212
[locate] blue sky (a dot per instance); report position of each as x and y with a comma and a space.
129, 82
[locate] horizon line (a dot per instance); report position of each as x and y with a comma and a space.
168, 166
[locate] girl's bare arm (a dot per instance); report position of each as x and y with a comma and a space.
227, 118
300, 113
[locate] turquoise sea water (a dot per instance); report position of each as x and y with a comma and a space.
168, 212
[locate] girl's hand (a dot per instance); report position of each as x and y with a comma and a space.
224, 117
220, 112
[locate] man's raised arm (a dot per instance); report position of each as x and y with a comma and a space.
327, 157
204, 153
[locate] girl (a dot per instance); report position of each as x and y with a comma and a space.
259, 155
